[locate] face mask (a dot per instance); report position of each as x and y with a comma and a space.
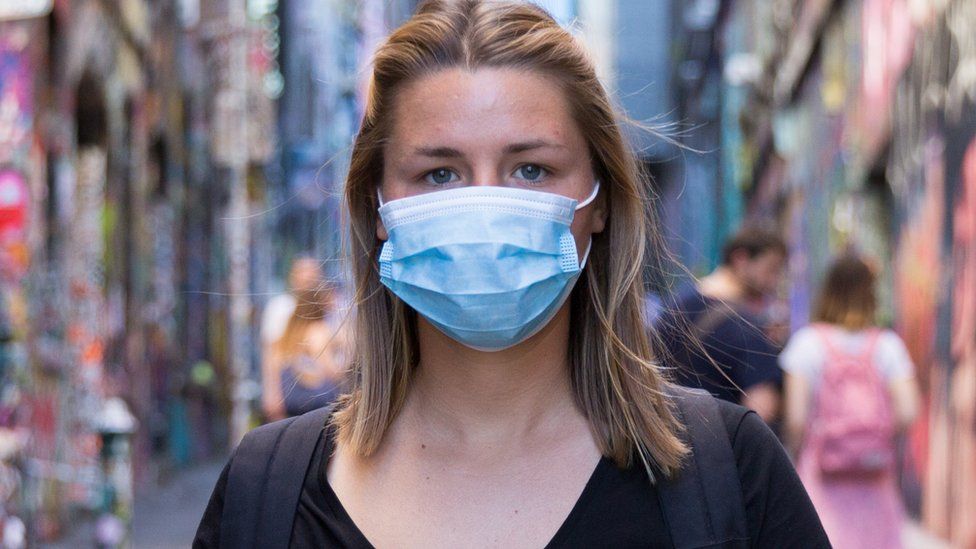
488, 266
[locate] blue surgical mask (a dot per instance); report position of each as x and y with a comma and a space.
488, 266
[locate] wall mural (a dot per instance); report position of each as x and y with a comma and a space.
962, 395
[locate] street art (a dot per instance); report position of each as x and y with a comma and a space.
918, 276
14, 198
16, 94
962, 84
962, 395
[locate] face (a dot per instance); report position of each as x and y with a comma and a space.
489, 127
305, 275
760, 275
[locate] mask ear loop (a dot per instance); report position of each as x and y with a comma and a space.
586, 254
581, 205
591, 198
379, 196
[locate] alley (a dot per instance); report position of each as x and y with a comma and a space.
179, 209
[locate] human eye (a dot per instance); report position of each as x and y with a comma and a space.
440, 176
532, 173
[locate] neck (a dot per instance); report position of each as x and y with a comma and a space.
722, 284
475, 397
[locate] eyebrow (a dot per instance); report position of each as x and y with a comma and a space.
438, 152
448, 152
532, 145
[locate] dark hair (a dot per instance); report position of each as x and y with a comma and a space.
847, 297
755, 241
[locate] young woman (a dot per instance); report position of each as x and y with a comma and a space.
849, 388
305, 365
503, 391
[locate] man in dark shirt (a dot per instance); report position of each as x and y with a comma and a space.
712, 335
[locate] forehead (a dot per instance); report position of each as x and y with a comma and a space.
481, 106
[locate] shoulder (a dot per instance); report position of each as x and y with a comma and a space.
803, 353
745, 430
748, 433
804, 340
256, 448
894, 359
259, 444
807, 333
779, 512
717, 422
888, 338
686, 301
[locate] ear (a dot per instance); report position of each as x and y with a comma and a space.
598, 218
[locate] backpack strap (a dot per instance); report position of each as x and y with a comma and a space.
702, 503
274, 456
874, 336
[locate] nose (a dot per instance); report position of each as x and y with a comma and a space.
487, 173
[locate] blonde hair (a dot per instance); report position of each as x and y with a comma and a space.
311, 306
616, 383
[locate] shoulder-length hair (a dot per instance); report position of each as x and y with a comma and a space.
847, 297
311, 306
616, 383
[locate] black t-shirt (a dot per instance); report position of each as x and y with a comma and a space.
618, 507
730, 335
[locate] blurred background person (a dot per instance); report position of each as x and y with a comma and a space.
303, 368
305, 275
712, 336
849, 388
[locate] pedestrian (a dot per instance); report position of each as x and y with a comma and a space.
305, 274
504, 392
850, 387
304, 367
712, 334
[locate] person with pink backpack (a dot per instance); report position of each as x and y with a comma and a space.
849, 389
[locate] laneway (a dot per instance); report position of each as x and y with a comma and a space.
166, 518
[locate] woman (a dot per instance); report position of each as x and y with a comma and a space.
849, 388
305, 365
503, 392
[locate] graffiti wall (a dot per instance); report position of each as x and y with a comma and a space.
932, 166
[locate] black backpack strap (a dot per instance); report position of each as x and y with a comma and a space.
265, 481
702, 503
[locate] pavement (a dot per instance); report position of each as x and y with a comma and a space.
165, 517
168, 517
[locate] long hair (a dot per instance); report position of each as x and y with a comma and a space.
311, 306
848, 297
616, 383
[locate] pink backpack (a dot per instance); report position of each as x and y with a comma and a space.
853, 423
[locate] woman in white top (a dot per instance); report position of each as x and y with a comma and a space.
850, 387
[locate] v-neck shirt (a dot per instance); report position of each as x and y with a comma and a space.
617, 507
322, 521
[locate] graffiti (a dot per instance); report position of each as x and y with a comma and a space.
962, 396
962, 84
888, 36
14, 195
16, 93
